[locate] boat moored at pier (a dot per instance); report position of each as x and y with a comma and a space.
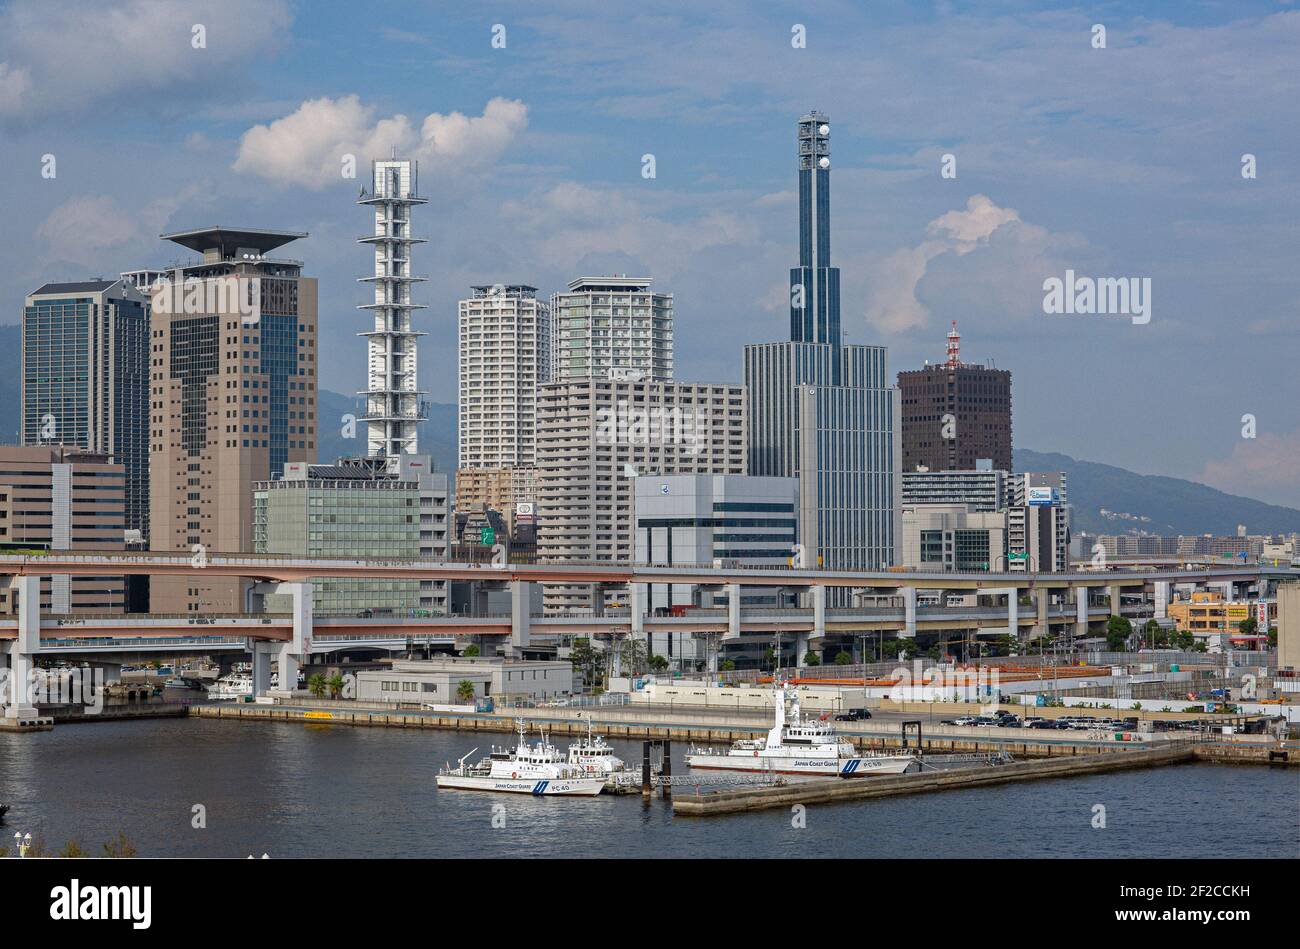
540, 770
795, 746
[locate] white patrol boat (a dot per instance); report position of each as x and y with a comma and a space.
539, 770
594, 756
794, 746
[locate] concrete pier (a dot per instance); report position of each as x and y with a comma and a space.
834, 790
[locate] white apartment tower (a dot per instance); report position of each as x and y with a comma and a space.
616, 324
504, 335
394, 403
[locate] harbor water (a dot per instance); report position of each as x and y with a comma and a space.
291, 790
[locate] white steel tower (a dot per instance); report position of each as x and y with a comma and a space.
394, 403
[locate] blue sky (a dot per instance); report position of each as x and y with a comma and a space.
1122, 161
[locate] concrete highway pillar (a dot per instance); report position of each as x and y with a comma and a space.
520, 617
262, 653
1080, 612
23, 650
802, 641
1161, 599
1115, 602
733, 610
637, 602
297, 650
909, 611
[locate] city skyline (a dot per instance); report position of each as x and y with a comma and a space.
523, 191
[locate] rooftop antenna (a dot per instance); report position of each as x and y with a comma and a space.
954, 347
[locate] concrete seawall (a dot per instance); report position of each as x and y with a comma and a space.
640, 724
834, 790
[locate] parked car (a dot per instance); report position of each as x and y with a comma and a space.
853, 715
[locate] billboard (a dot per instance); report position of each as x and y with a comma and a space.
1041, 497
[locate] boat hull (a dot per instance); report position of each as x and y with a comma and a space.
826, 767
537, 787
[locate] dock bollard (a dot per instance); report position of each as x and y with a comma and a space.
666, 775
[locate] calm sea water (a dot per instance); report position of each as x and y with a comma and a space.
336, 791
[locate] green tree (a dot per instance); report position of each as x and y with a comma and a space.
585, 661
470, 651
634, 659
316, 685
1152, 633
465, 691
336, 685
843, 658
1118, 630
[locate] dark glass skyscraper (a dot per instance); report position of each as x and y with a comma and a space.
814, 284
85, 378
821, 411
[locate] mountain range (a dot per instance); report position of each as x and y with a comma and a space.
1152, 504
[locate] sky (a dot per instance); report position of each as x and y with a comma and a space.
1121, 159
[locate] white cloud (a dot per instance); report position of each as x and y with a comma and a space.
575, 223
1007, 258
1262, 467
82, 228
307, 147
60, 56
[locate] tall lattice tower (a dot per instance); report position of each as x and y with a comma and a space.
394, 402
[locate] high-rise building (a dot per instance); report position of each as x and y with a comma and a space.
512, 492
815, 284
702, 519
232, 399
1038, 523
821, 411
394, 401
84, 377
357, 507
983, 489
955, 413
595, 437
58, 498
950, 538
504, 354
615, 323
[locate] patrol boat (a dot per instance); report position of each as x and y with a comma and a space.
594, 756
794, 746
539, 769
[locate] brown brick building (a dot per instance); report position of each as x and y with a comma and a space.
977, 402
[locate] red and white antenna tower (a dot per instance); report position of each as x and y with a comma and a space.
954, 346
